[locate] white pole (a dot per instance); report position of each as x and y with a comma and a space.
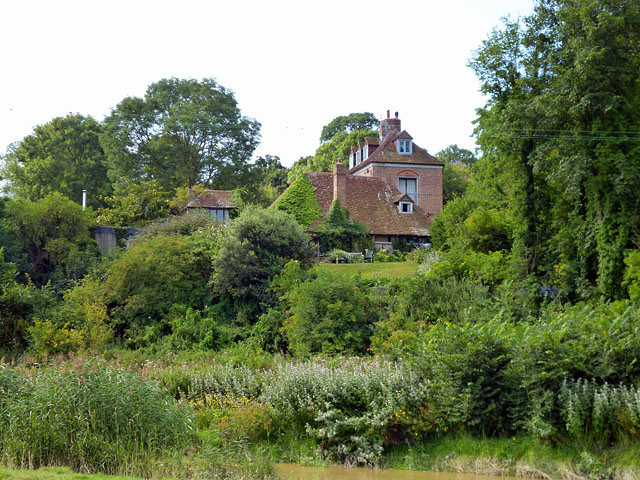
84, 199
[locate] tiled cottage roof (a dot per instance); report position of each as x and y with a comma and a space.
388, 153
213, 199
370, 201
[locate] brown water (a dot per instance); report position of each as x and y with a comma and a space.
288, 471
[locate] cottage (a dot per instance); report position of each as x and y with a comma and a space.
216, 203
392, 186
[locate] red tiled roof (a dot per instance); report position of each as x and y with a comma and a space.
370, 201
213, 199
388, 153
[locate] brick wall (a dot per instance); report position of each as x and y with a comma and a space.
429, 183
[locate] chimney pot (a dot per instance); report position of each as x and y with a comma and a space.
396, 114
388, 113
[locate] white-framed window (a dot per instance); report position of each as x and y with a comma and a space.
351, 160
405, 207
365, 152
358, 157
409, 185
405, 147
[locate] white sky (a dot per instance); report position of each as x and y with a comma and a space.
293, 65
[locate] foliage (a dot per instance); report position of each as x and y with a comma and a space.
455, 181
182, 197
602, 414
300, 201
134, 204
252, 250
455, 155
142, 285
183, 132
20, 305
585, 342
468, 366
329, 314
632, 274
353, 411
558, 146
339, 231
50, 230
92, 418
181, 225
63, 155
329, 153
264, 182
348, 123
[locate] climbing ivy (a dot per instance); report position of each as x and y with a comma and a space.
300, 201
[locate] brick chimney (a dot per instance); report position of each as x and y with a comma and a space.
340, 183
389, 125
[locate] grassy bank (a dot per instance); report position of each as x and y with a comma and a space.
371, 270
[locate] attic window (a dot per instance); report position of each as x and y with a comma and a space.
406, 207
405, 147
358, 157
365, 152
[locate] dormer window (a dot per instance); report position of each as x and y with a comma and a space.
365, 152
358, 157
405, 207
351, 160
405, 147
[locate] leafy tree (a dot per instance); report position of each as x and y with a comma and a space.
63, 156
566, 138
348, 123
135, 204
183, 132
49, 231
456, 155
253, 249
264, 181
327, 154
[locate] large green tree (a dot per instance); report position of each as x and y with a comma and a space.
63, 156
348, 123
562, 120
183, 132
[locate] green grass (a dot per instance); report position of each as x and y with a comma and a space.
54, 473
372, 270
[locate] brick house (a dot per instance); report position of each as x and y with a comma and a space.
392, 186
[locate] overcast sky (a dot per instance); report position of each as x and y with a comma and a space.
293, 65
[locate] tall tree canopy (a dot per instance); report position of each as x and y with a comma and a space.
63, 156
560, 133
183, 132
348, 123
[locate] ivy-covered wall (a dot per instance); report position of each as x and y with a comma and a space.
300, 201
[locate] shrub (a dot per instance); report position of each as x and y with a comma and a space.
253, 249
353, 411
584, 342
330, 314
468, 366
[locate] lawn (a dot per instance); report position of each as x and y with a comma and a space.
372, 270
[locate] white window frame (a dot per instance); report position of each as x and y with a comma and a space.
351, 161
405, 147
358, 157
365, 152
408, 204
413, 196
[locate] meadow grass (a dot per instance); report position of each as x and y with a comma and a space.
371, 270
55, 473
